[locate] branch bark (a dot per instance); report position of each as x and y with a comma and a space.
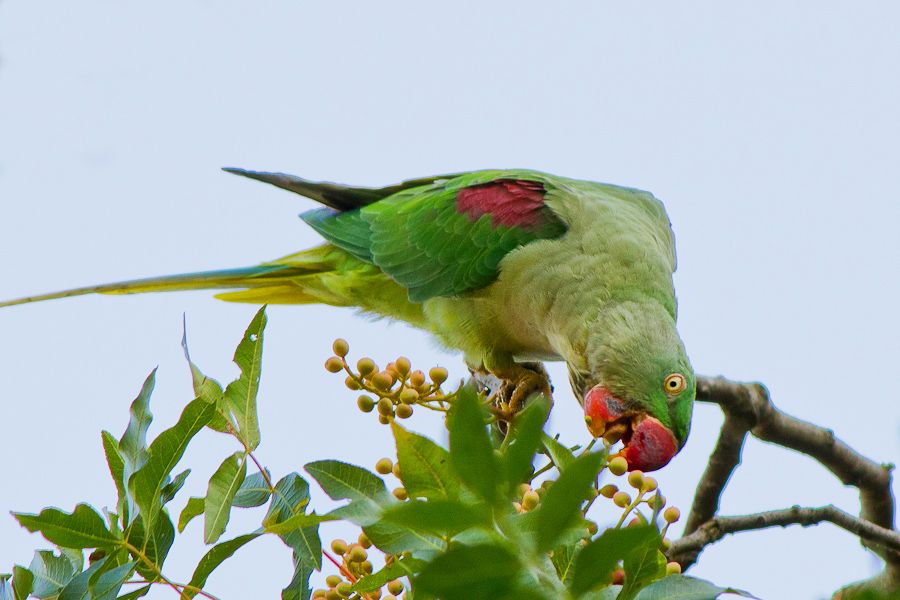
749, 410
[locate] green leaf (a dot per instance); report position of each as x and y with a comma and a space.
22, 582
484, 572
154, 546
6, 589
116, 463
138, 593
298, 588
443, 517
132, 446
471, 452
165, 452
399, 568
597, 560
223, 485
50, 573
364, 489
642, 565
394, 539
83, 528
253, 492
306, 544
561, 456
561, 505
290, 497
106, 585
679, 587
212, 559
194, 508
426, 466
240, 395
298, 521
207, 389
524, 441
563, 559
77, 588
169, 490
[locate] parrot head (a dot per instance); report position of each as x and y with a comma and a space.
640, 386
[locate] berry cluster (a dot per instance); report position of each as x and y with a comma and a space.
397, 389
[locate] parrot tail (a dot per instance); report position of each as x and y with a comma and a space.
312, 276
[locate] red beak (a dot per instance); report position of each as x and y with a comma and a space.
649, 445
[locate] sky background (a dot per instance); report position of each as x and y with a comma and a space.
769, 129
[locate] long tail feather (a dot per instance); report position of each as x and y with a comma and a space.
248, 277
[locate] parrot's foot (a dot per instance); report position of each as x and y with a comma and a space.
522, 381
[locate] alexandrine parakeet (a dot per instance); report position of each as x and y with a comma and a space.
507, 266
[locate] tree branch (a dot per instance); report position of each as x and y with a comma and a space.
748, 409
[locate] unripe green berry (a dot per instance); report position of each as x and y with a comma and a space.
343, 589
400, 493
438, 375
671, 514
530, 500
334, 365
365, 366
409, 396
636, 479
650, 484
332, 594
404, 411
384, 420
609, 490
352, 384
634, 522
396, 470
665, 544
402, 365
357, 554
384, 466
618, 466
376, 595
417, 379
365, 404
383, 380
395, 587
389, 597
673, 568
319, 593
338, 547
340, 347
367, 567
621, 499
592, 527
363, 539
333, 580
385, 407
658, 501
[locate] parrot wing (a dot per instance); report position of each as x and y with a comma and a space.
448, 236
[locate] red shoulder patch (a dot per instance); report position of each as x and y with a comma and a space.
509, 202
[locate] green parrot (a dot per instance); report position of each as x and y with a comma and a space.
510, 267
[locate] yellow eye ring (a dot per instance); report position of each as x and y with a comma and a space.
674, 383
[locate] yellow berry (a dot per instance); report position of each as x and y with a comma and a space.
352, 384
376, 595
334, 365
383, 381
395, 587
608, 491
333, 580
384, 420
665, 544
618, 466
402, 365
404, 411
343, 589
357, 554
592, 527
396, 470
365, 366
385, 407
409, 396
417, 379
340, 347
365, 404
320, 593
384, 465
400, 493
650, 484
621, 499
673, 568
671, 514
338, 547
332, 594
438, 375
530, 500
636, 479
522, 488
658, 501
363, 539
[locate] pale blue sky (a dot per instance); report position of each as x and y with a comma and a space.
769, 129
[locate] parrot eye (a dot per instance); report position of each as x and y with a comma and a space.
674, 383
